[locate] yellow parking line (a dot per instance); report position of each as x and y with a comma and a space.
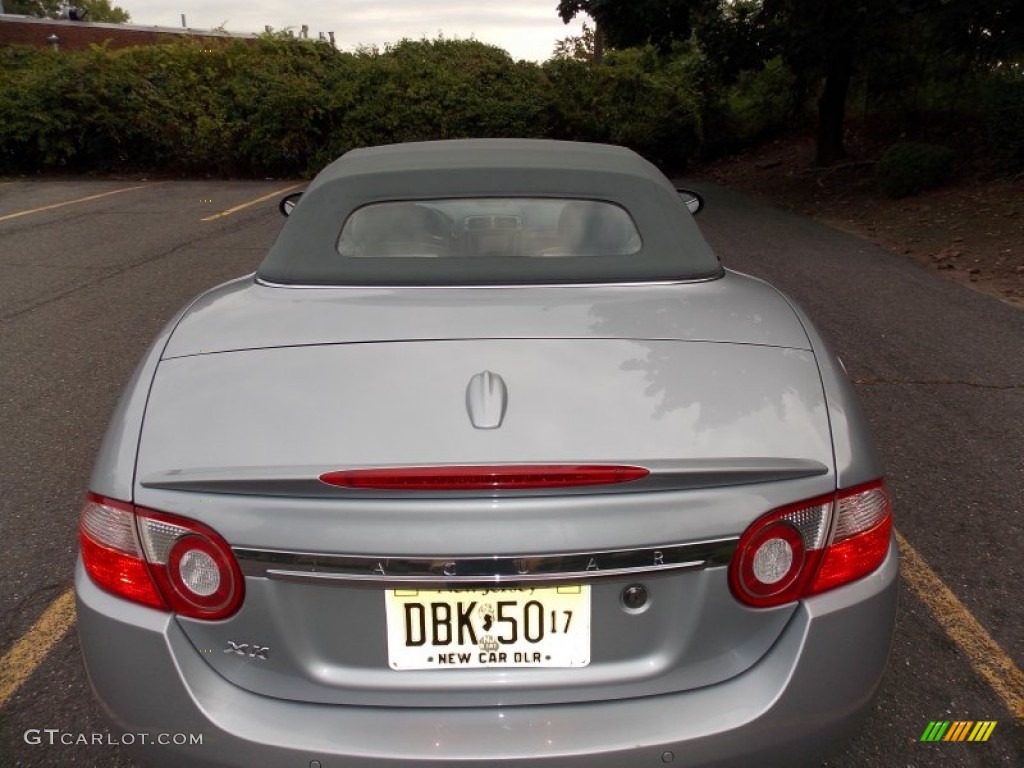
32, 649
73, 202
989, 660
237, 208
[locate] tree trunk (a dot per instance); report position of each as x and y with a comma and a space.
832, 106
598, 44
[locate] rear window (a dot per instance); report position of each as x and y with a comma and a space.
489, 229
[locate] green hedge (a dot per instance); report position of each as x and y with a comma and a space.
285, 107
630, 100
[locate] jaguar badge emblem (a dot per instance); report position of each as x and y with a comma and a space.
486, 400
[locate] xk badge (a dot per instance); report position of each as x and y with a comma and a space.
252, 651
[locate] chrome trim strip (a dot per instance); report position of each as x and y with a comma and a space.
506, 570
597, 284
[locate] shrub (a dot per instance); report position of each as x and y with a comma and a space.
36, 119
630, 100
435, 89
910, 167
1004, 122
285, 107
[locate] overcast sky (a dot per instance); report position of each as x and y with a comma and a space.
527, 29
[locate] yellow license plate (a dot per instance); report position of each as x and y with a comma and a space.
484, 628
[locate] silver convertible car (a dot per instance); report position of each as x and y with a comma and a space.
490, 463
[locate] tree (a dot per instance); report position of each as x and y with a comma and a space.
627, 23
983, 32
819, 40
578, 48
97, 10
40, 8
102, 10
901, 46
736, 36
825, 41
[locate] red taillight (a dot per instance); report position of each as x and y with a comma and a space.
159, 560
111, 551
787, 554
860, 539
484, 478
759, 574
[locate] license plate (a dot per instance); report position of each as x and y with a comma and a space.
482, 628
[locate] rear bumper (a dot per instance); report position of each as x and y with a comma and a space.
795, 706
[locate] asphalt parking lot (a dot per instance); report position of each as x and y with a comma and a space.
93, 269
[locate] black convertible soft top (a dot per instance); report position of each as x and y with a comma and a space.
306, 251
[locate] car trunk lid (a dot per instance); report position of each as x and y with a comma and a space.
244, 314
332, 407
239, 440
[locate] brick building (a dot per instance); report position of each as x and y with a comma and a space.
74, 35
